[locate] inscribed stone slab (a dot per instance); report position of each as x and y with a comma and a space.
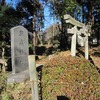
19, 49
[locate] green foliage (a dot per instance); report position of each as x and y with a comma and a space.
3, 77
58, 9
72, 77
32, 12
8, 19
7, 96
61, 7
13, 91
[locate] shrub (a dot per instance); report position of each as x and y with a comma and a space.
71, 77
14, 91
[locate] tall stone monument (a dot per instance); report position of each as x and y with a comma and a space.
19, 54
19, 49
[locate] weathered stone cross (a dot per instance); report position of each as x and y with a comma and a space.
75, 32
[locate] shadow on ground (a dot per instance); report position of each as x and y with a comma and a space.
62, 98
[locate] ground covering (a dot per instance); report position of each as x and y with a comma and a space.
72, 78
14, 91
61, 78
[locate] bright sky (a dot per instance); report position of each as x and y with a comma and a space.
48, 19
12, 2
8, 1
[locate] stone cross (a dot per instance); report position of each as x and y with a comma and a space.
84, 31
74, 31
71, 20
80, 40
86, 47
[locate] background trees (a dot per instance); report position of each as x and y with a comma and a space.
86, 11
90, 14
30, 14
27, 13
8, 19
58, 9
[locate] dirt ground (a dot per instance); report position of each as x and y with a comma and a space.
96, 61
95, 56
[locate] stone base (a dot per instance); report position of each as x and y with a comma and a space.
18, 77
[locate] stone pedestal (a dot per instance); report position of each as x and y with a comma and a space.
20, 77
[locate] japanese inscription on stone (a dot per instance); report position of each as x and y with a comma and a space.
19, 49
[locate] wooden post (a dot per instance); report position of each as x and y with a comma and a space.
33, 77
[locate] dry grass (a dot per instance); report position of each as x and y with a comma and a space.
72, 77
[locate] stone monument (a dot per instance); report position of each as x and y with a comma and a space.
19, 49
19, 54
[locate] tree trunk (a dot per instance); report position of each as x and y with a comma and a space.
90, 12
3, 58
83, 11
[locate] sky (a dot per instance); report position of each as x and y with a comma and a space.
48, 19
8, 1
11, 2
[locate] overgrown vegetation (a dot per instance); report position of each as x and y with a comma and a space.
62, 77
14, 91
70, 77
